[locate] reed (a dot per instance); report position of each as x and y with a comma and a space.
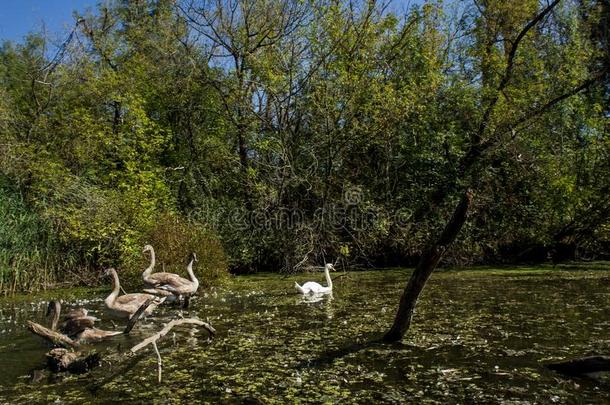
31, 257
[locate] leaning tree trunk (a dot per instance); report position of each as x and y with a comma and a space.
479, 144
425, 267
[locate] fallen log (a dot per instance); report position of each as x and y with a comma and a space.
61, 340
137, 315
61, 359
168, 327
583, 365
51, 336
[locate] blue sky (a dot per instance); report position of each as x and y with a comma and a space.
18, 17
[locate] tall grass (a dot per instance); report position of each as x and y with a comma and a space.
30, 256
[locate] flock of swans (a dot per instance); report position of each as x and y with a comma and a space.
160, 287
78, 325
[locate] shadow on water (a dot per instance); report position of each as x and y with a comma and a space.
123, 368
371, 340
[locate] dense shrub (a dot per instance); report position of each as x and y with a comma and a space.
173, 239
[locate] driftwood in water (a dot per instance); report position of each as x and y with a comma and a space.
137, 315
152, 340
583, 365
168, 327
55, 338
61, 340
61, 359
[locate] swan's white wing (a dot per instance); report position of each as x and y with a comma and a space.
311, 287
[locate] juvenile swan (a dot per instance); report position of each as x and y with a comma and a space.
183, 286
153, 280
77, 324
125, 306
172, 284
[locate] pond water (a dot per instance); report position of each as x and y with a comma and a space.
477, 336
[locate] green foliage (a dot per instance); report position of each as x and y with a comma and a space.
299, 131
175, 238
29, 249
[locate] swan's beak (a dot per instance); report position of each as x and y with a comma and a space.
333, 268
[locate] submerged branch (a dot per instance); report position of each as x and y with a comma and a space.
152, 340
583, 365
159, 361
137, 315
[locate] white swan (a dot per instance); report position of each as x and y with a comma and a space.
311, 287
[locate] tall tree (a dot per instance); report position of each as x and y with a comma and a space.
492, 132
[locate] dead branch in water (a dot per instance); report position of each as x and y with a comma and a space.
49, 335
152, 340
159, 362
169, 327
137, 315
60, 359
59, 339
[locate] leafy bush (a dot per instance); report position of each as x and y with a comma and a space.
174, 239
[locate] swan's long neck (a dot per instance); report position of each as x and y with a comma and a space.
329, 281
56, 312
116, 287
150, 268
189, 270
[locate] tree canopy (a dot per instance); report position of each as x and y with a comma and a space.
278, 133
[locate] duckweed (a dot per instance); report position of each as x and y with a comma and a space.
478, 336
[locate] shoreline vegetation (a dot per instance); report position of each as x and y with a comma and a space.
563, 269
276, 136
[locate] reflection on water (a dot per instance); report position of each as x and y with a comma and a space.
313, 298
477, 336
323, 300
